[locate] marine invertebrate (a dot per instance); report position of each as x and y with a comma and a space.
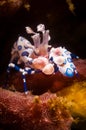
40, 57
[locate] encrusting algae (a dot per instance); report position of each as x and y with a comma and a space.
74, 98
43, 112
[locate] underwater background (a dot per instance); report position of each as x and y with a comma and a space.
66, 20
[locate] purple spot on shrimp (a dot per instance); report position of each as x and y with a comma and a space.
25, 53
19, 47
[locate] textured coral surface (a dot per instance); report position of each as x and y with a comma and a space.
28, 112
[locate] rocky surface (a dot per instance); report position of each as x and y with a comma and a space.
28, 112
81, 66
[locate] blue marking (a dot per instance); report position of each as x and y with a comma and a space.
19, 47
23, 76
72, 66
25, 86
29, 71
25, 53
32, 70
69, 72
66, 52
17, 68
55, 68
74, 56
51, 59
69, 59
65, 61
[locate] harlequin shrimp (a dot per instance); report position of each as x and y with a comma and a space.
40, 57
62, 58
